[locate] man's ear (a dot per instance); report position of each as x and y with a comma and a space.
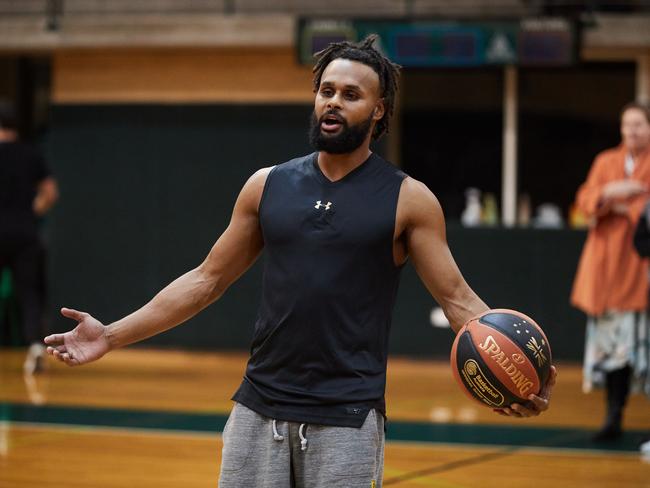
379, 111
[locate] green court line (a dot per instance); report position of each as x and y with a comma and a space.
108, 417
476, 434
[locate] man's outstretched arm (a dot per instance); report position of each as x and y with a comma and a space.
232, 254
424, 233
425, 236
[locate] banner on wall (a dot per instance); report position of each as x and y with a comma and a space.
525, 42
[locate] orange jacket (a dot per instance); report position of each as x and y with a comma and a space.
611, 275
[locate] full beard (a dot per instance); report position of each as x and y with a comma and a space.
349, 138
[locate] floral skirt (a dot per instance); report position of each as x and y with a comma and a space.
615, 340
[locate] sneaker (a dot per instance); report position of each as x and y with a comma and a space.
35, 359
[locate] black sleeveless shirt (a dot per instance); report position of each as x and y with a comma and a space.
320, 344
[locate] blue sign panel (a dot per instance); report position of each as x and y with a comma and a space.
528, 42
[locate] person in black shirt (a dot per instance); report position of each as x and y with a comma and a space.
336, 227
27, 192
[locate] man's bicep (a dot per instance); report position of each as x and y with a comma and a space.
431, 257
241, 243
435, 265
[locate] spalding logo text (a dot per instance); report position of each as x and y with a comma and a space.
520, 380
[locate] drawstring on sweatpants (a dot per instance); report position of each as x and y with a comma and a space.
303, 439
276, 436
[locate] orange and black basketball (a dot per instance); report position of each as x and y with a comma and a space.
501, 357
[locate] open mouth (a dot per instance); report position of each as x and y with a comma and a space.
331, 123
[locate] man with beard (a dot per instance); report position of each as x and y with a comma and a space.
336, 227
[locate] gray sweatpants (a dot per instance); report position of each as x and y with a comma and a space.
314, 456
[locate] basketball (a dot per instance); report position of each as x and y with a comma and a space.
500, 357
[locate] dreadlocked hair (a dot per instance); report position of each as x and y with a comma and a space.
364, 52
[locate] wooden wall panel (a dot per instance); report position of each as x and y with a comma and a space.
266, 75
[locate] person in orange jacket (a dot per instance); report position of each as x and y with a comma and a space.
611, 284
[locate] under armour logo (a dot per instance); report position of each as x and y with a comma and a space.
319, 205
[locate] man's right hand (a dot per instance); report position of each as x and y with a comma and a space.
85, 343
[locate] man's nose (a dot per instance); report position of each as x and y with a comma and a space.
334, 102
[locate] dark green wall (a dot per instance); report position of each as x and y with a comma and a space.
146, 190
523, 269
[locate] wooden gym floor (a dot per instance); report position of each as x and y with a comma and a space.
151, 418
